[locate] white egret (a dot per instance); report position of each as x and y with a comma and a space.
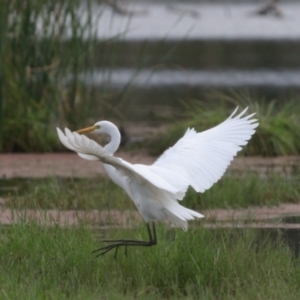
197, 159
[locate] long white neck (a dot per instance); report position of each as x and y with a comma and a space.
114, 143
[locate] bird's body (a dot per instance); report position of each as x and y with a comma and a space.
197, 160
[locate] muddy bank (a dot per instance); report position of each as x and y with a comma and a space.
70, 165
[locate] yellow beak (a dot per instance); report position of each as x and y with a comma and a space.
88, 129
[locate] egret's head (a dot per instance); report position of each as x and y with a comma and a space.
100, 127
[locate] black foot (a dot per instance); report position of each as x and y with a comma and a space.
115, 244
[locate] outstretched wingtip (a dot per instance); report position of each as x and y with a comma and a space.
63, 139
60, 134
233, 113
58, 130
68, 132
242, 113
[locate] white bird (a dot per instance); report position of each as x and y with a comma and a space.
197, 159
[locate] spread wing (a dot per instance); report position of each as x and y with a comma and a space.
90, 150
202, 158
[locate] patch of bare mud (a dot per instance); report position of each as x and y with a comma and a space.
57, 164
70, 165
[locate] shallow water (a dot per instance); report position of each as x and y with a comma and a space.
194, 20
200, 78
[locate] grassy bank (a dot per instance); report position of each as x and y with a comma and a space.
55, 263
101, 193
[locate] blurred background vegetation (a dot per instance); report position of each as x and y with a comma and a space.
37, 61
49, 50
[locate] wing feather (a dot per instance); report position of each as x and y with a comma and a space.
202, 158
90, 150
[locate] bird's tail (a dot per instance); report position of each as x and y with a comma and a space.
179, 215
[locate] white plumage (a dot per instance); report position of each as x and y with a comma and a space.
197, 159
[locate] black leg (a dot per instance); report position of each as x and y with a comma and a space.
115, 244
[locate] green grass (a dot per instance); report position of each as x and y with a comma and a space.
52, 262
247, 190
277, 134
101, 193
56, 263
59, 193
278, 131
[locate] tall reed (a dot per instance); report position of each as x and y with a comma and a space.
3, 24
48, 50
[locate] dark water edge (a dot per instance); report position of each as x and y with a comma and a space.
278, 237
289, 237
198, 54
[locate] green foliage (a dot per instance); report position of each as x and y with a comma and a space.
59, 193
277, 134
3, 21
40, 262
246, 190
37, 65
